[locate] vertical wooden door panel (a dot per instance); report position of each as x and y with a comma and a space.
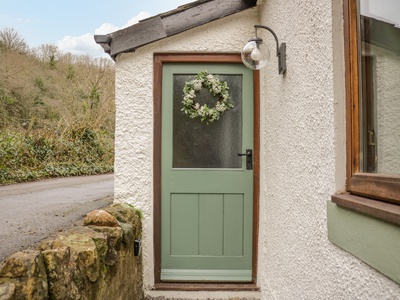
211, 208
233, 225
184, 224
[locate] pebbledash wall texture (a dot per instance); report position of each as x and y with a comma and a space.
302, 149
303, 161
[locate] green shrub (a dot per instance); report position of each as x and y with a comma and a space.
57, 114
38, 155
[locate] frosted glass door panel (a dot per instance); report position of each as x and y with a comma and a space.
200, 145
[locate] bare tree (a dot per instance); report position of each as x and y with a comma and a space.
47, 52
10, 39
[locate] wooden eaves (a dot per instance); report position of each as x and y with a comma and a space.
169, 23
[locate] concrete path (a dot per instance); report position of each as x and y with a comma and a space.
30, 212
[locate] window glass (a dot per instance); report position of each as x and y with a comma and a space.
379, 25
216, 145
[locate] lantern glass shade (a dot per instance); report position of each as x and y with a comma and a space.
255, 55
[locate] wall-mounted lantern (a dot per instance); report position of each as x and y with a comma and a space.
255, 54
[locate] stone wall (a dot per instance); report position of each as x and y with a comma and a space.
93, 260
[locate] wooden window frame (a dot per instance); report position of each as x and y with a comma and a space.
374, 194
158, 60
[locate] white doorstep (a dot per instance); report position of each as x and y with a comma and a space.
202, 295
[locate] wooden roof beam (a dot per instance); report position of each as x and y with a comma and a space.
183, 18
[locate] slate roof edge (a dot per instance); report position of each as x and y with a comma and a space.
166, 24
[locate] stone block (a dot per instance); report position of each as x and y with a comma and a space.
100, 218
7, 291
26, 272
73, 263
126, 214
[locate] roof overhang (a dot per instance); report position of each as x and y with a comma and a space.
170, 23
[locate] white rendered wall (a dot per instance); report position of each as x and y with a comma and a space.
302, 147
303, 160
134, 113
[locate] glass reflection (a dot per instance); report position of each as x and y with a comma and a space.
380, 88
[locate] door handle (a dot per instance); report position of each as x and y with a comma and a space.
249, 158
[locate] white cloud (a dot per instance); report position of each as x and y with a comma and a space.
142, 15
80, 45
85, 44
106, 28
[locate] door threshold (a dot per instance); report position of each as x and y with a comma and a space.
166, 286
202, 295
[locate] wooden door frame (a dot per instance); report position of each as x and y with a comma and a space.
158, 60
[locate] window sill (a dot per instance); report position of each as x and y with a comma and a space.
376, 186
385, 211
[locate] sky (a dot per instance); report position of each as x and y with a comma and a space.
71, 24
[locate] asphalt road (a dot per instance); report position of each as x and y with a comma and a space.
31, 212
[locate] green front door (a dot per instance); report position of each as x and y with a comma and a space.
206, 187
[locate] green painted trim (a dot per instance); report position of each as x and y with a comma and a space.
206, 275
374, 241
